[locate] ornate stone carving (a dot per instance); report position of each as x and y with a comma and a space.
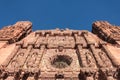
106, 31
89, 60
110, 73
105, 59
15, 32
17, 62
66, 41
58, 54
32, 59
89, 74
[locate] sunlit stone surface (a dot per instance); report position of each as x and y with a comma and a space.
60, 54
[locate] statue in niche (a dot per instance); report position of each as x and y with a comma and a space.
102, 56
20, 55
34, 56
32, 60
14, 64
104, 59
19, 58
89, 60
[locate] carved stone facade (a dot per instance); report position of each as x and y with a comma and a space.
106, 31
60, 55
15, 32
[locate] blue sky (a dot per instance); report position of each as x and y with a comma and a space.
49, 14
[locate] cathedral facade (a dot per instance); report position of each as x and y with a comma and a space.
59, 54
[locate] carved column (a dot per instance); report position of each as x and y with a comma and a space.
43, 52
29, 48
37, 37
93, 49
82, 56
19, 59
97, 58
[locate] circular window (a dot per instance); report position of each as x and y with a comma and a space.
61, 61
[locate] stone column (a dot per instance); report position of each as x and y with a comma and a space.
91, 45
97, 58
82, 56
29, 48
